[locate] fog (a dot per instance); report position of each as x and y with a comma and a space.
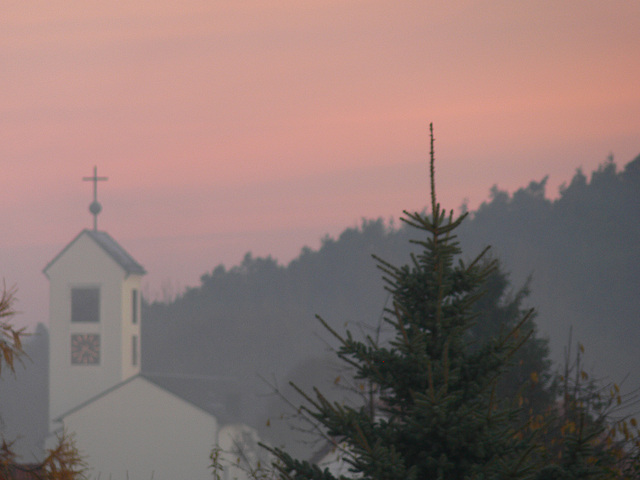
250, 328
258, 153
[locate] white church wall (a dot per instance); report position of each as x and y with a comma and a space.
84, 264
140, 431
130, 329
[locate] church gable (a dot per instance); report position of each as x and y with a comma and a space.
139, 413
126, 426
107, 247
94, 319
141, 377
116, 252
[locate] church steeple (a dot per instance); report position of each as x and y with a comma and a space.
94, 316
95, 208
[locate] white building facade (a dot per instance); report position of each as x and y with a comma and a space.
125, 426
94, 320
140, 431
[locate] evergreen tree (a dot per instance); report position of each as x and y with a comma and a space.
530, 376
436, 415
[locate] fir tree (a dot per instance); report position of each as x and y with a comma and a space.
434, 412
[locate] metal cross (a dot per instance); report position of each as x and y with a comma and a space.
95, 207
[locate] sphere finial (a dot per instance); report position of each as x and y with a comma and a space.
95, 208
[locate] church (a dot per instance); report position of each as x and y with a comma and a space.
126, 425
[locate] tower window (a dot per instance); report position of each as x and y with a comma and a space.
134, 350
85, 349
134, 306
85, 304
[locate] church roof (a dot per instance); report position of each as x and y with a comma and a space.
217, 395
116, 252
147, 378
110, 247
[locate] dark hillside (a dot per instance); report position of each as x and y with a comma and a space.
582, 251
258, 318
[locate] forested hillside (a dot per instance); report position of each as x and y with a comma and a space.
256, 319
583, 253
581, 250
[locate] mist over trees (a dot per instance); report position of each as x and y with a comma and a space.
431, 405
62, 461
582, 252
24, 406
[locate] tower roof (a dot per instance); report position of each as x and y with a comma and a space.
110, 247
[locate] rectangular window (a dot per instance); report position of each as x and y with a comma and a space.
134, 306
134, 350
85, 304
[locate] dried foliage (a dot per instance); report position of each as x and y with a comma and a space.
590, 432
10, 337
63, 462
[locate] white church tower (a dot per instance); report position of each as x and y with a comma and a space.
94, 317
126, 425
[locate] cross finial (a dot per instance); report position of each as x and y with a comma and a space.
95, 208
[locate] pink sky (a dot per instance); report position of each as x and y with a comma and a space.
226, 127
